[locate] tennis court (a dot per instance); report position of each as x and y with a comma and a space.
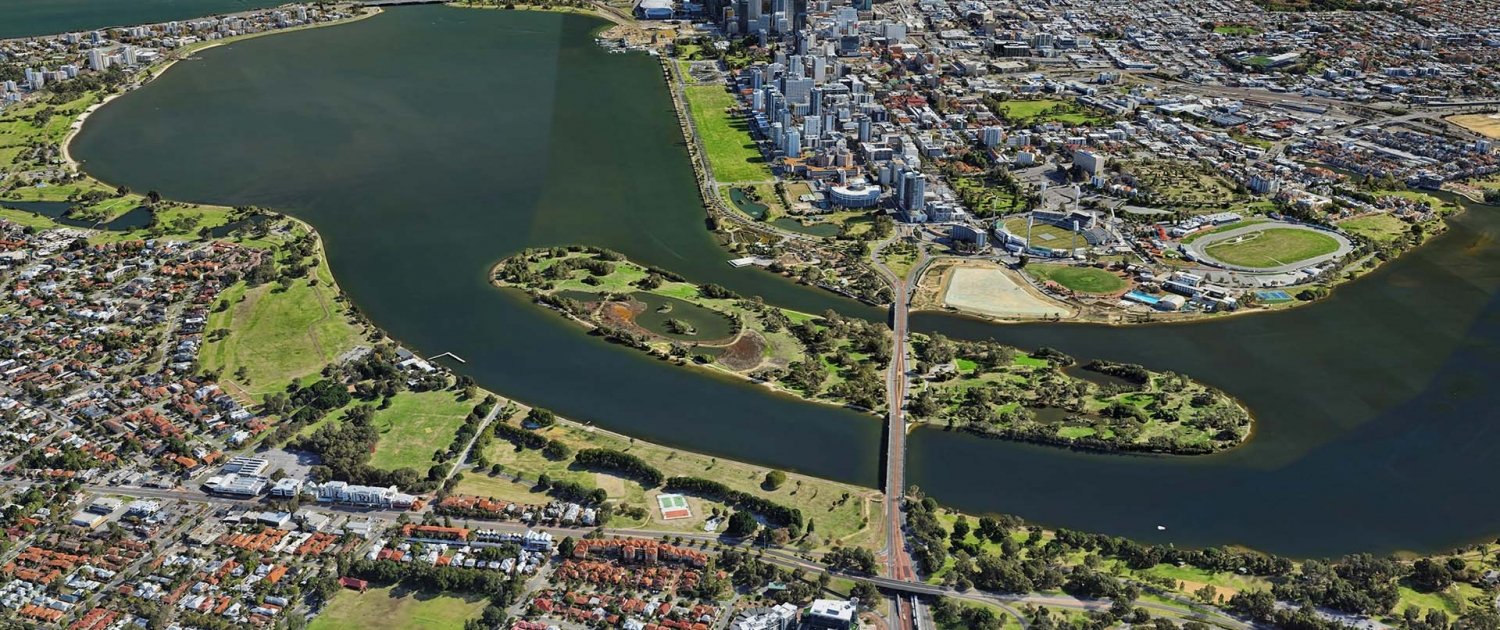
673, 506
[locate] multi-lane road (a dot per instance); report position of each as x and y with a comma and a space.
898, 560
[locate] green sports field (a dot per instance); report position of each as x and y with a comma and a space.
415, 425
1081, 279
1273, 247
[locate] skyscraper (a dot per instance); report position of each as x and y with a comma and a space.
914, 191
97, 60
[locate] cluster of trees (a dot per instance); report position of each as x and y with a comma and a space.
623, 463
950, 615
1129, 371
524, 439
716, 292
344, 449
303, 406
573, 491
851, 559
741, 524
539, 418
779, 515
64, 458
469, 430
842, 338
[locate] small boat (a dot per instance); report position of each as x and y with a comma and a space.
1161, 528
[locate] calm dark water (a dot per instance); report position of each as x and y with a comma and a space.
28, 18
427, 143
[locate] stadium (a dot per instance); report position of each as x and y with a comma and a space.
1050, 233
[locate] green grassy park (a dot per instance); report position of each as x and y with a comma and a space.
1187, 185
414, 425
1237, 30
997, 391
1080, 279
725, 135
900, 257
389, 609
987, 198
1381, 228
828, 359
1273, 247
275, 334
1047, 110
842, 514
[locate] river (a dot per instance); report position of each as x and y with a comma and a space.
426, 143
29, 18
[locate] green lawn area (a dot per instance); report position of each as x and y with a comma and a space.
415, 425
987, 200
1273, 247
1244, 30
841, 513
1492, 182
1047, 110
1376, 227
726, 136
385, 608
1081, 279
276, 335
499, 487
900, 258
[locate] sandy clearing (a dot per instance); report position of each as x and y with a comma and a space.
994, 292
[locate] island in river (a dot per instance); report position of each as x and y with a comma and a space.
982, 387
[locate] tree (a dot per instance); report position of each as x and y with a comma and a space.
539, 417
865, 592
556, 450
1258, 605
741, 524
774, 480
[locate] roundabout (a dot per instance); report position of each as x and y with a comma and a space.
1269, 248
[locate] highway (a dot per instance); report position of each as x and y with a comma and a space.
898, 560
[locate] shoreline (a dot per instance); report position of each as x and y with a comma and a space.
154, 72
650, 342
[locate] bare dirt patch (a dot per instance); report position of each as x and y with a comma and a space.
993, 291
1487, 125
745, 353
620, 314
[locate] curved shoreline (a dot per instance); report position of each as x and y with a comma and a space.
156, 71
